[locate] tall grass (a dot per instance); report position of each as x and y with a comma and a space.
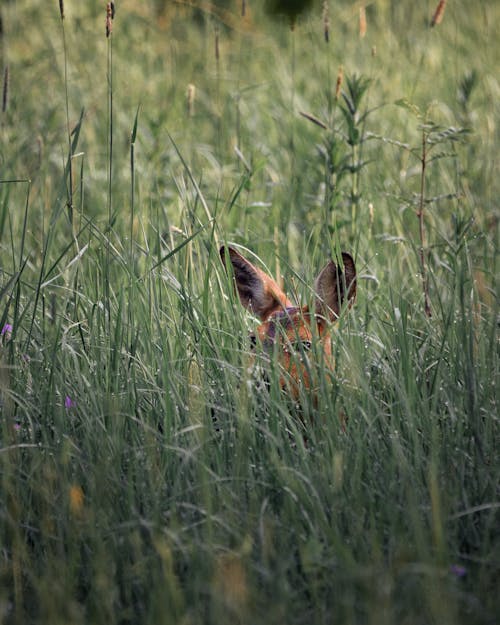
147, 474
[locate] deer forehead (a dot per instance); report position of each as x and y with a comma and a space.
294, 323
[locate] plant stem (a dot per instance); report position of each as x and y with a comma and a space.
420, 215
70, 153
110, 121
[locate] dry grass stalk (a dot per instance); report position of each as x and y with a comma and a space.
362, 21
243, 8
340, 80
217, 51
326, 20
5, 93
438, 14
61, 8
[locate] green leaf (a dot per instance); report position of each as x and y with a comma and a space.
134, 129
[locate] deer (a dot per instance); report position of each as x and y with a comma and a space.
289, 329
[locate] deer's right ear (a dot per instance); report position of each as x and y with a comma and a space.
335, 287
257, 291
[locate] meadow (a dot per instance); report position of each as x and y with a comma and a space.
146, 476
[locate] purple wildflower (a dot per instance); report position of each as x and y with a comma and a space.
7, 329
17, 427
458, 570
68, 402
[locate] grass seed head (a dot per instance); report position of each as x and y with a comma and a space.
61, 8
110, 12
438, 13
76, 499
326, 21
230, 582
340, 80
190, 96
362, 21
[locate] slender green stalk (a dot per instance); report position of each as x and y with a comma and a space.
132, 187
109, 76
421, 226
69, 188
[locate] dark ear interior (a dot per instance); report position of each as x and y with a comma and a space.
334, 286
257, 292
349, 282
248, 282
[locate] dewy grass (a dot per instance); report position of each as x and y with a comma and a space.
149, 473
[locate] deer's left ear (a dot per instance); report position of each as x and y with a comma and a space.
334, 287
257, 291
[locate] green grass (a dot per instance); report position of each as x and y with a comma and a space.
145, 474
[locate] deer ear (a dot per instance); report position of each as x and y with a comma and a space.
257, 291
334, 286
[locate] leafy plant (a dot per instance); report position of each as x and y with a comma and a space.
342, 148
432, 136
